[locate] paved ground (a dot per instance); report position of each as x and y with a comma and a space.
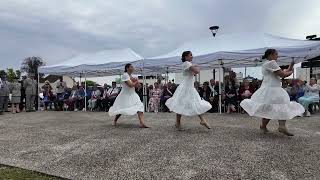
85, 146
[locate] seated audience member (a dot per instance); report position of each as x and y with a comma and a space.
297, 90
104, 99
71, 101
99, 105
48, 96
95, 95
80, 101
198, 88
154, 101
213, 88
286, 87
112, 93
255, 85
66, 96
206, 91
311, 95
89, 92
209, 95
59, 101
300, 89
230, 96
245, 91
172, 87
166, 94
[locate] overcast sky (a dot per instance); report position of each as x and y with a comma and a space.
59, 29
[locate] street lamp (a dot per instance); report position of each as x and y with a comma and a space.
214, 30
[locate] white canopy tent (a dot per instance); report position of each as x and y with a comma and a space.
234, 50
227, 50
102, 63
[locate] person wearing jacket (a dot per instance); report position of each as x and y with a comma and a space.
30, 86
15, 89
4, 94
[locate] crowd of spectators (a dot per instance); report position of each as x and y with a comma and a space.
101, 98
307, 94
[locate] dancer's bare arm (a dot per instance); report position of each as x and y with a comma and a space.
283, 73
132, 83
195, 69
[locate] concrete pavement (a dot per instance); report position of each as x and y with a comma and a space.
84, 145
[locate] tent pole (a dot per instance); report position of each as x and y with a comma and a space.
144, 90
167, 75
245, 72
293, 74
293, 68
85, 89
38, 90
214, 74
220, 97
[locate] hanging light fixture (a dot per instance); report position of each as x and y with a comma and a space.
214, 30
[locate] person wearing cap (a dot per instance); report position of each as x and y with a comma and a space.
15, 89
4, 94
30, 86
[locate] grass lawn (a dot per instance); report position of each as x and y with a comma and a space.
13, 173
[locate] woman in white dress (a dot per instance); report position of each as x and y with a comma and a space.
271, 101
186, 100
128, 102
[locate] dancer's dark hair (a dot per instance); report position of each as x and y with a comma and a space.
184, 55
268, 53
126, 67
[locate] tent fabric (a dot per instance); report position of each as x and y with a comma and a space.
235, 50
227, 50
103, 63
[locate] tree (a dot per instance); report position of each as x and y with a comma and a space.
18, 74
3, 73
31, 65
11, 75
90, 83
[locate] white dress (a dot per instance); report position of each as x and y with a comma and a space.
186, 100
127, 102
271, 101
